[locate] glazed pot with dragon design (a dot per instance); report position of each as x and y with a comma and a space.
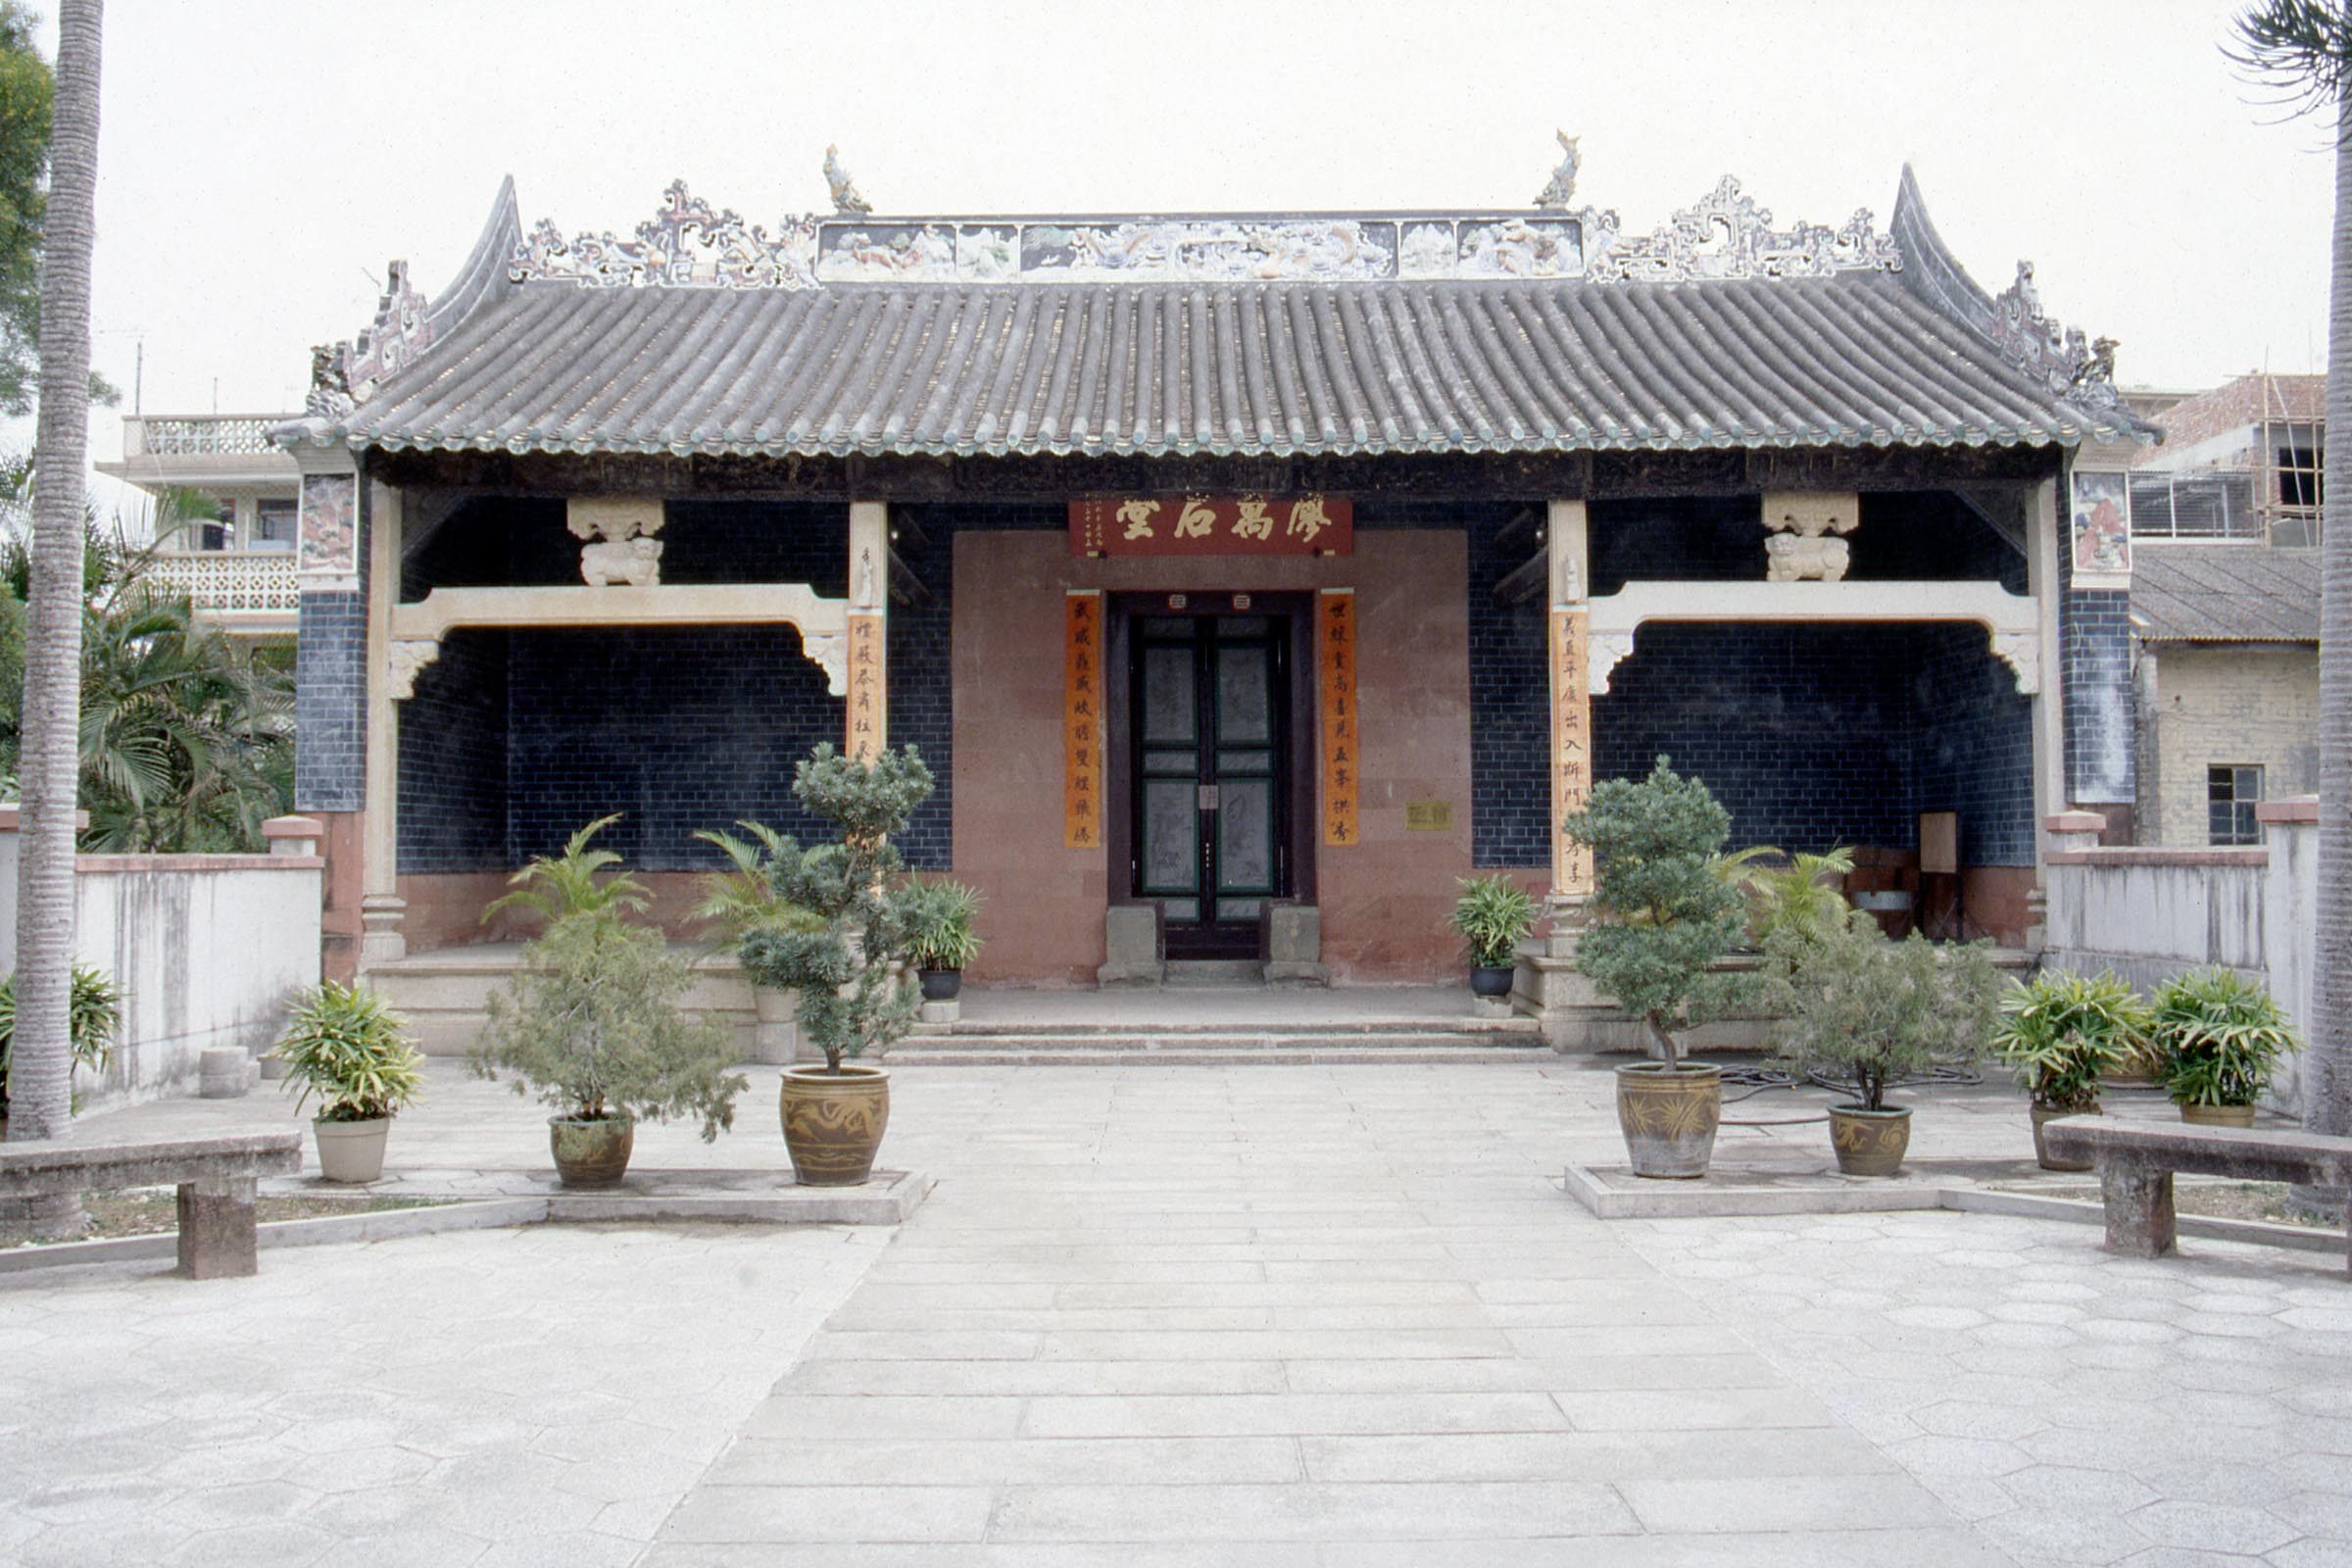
833, 1122
1669, 1116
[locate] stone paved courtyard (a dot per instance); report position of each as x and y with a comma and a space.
1328, 1315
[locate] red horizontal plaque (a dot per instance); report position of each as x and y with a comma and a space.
1212, 525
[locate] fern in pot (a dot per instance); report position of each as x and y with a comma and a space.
1491, 916
2217, 1040
344, 1046
593, 1020
2062, 1034
939, 934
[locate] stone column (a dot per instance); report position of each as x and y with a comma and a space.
2042, 581
330, 683
867, 731
380, 904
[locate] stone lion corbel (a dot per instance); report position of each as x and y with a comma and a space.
1801, 547
619, 547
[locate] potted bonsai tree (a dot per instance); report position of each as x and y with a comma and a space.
1491, 916
740, 901
848, 970
939, 935
2216, 1039
1865, 1013
2062, 1034
343, 1044
592, 1021
1661, 918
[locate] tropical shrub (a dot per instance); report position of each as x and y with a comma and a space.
939, 925
2062, 1033
95, 1011
591, 1019
743, 898
1865, 1011
2217, 1038
1786, 892
1662, 917
345, 1046
846, 970
1491, 916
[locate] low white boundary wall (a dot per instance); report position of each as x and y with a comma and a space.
207, 949
2151, 913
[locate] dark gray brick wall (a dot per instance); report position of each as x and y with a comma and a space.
1973, 735
2094, 642
453, 759
330, 703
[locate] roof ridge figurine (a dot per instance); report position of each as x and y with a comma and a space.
1556, 195
846, 200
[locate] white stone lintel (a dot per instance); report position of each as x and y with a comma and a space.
2009, 619
821, 621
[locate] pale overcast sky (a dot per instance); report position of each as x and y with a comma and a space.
259, 160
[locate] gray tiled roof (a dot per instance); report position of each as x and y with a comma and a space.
2226, 593
1852, 359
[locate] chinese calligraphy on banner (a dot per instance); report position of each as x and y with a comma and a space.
1335, 644
1212, 525
1082, 722
870, 723
1570, 752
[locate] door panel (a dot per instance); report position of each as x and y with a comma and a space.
1210, 699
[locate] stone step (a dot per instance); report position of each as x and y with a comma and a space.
1426, 1037
1193, 1053
1465, 1023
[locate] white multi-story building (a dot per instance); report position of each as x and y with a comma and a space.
238, 570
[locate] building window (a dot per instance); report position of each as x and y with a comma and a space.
215, 534
2299, 455
274, 525
2231, 792
2214, 505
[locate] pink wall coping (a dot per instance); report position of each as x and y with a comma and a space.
12, 818
2297, 811
2131, 854
85, 865
2076, 823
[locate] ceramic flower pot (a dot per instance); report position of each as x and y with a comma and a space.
942, 985
1870, 1142
833, 1122
2044, 1115
2218, 1115
351, 1151
591, 1153
1491, 981
1669, 1117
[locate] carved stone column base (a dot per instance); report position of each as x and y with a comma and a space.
380, 938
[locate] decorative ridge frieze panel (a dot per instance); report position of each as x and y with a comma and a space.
1727, 235
687, 244
2067, 363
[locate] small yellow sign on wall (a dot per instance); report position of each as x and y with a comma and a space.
1428, 816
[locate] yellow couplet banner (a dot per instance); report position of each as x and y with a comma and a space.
1571, 750
1082, 720
1335, 647
869, 687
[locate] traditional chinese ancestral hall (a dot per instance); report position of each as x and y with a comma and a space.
1245, 580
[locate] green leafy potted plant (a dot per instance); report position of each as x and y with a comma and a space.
1788, 892
1661, 918
1491, 916
94, 1019
740, 901
591, 1021
2061, 1035
2216, 1039
848, 972
939, 935
1865, 1011
343, 1044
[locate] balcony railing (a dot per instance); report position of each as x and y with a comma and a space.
230, 579
200, 435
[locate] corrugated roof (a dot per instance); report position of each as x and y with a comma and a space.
2226, 593
1853, 360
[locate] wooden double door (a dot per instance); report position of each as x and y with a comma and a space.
1213, 758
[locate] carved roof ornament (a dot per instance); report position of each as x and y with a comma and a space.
331, 392
397, 335
2063, 359
1727, 235
847, 203
686, 244
1556, 196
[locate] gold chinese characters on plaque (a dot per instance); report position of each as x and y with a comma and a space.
1571, 750
870, 710
1082, 722
1212, 525
1335, 648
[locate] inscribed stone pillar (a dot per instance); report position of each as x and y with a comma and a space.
1571, 701
380, 904
869, 717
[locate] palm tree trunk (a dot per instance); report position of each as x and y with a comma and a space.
2327, 1070
41, 1066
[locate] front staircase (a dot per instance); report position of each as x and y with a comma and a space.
1177, 1041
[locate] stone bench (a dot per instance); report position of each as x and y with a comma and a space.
2136, 1161
216, 1176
